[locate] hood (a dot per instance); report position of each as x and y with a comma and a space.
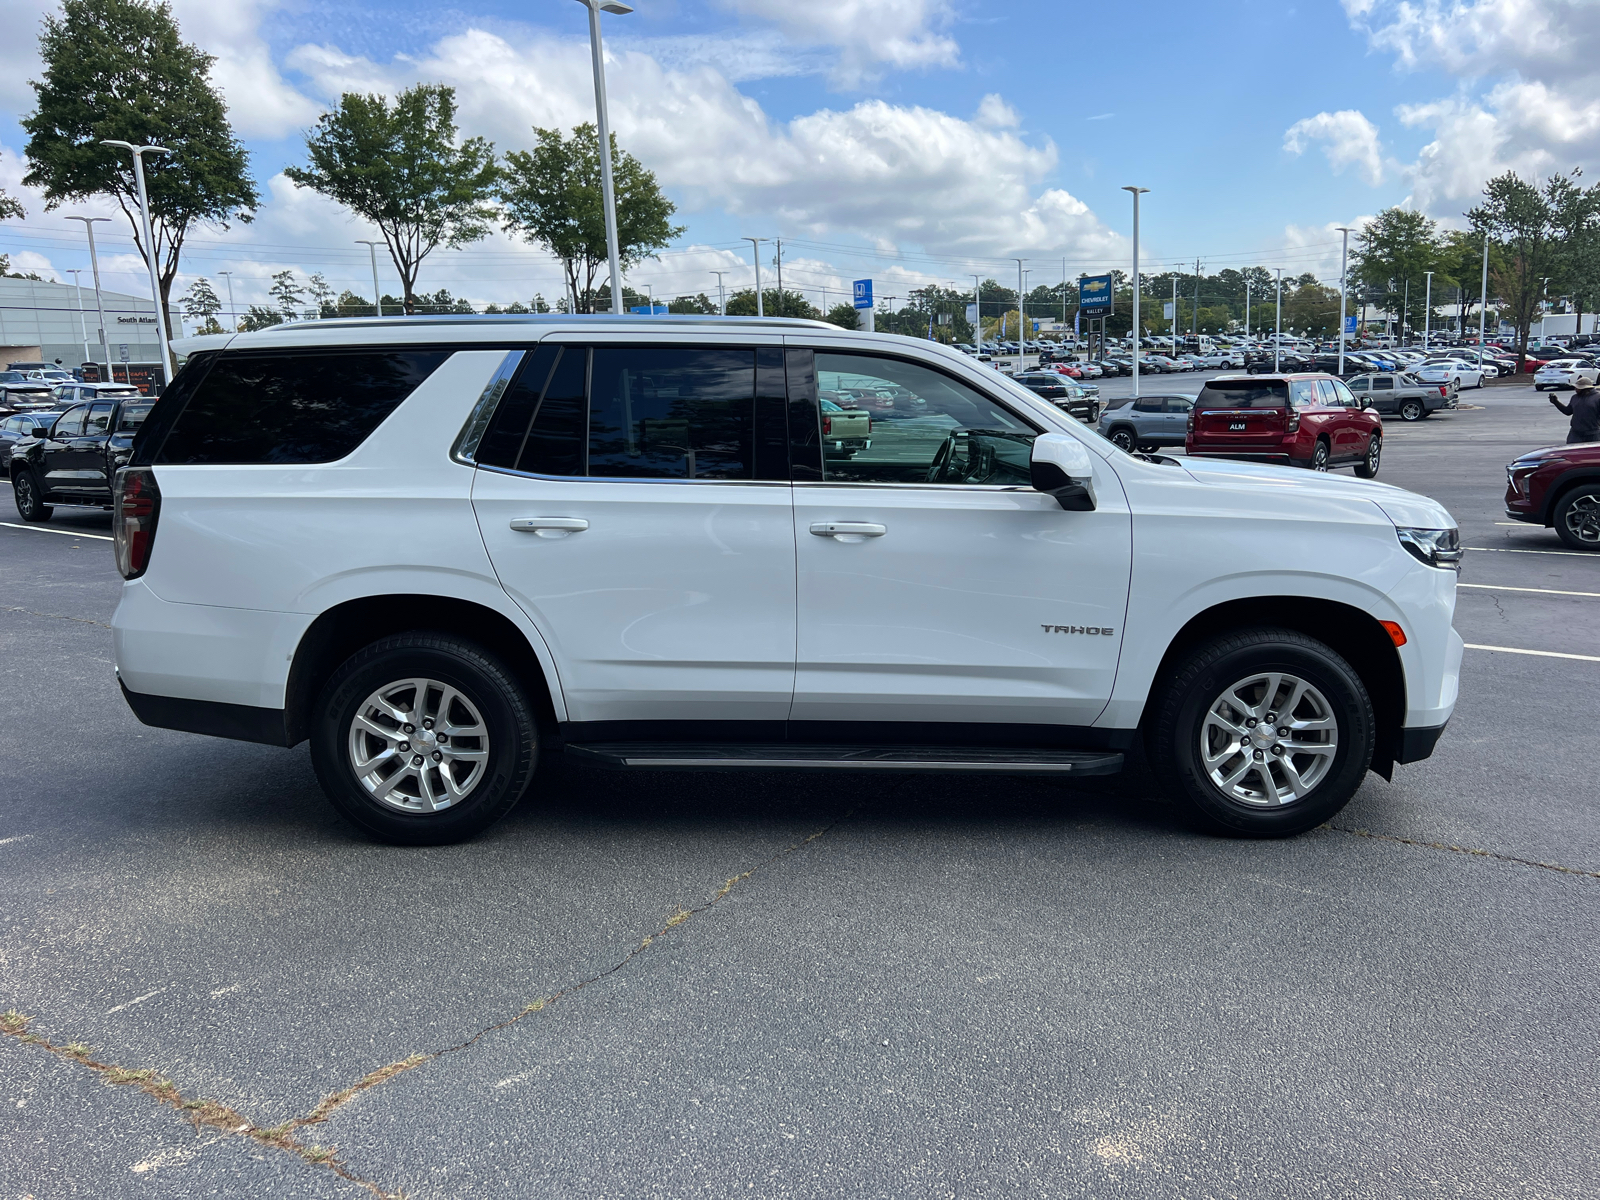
1557, 452
1400, 506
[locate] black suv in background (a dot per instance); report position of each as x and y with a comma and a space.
73, 458
1063, 393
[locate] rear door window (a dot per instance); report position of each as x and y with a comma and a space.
293, 406
668, 413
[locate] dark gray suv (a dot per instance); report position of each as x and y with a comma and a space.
1146, 422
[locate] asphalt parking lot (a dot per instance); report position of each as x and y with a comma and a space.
778, 985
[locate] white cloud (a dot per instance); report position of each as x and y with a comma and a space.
261, 104
868, 35
994, 113
1528, 99
1347, 137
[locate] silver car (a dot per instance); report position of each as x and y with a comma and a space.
1403, 395
1146, 422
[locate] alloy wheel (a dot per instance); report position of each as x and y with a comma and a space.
418, 745
1411, 410
1319, 457
1269, 740
1582, 520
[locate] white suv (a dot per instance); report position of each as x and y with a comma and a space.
440, 548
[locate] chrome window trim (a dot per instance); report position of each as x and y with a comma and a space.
632, 478
477, 423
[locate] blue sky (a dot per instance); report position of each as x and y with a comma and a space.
910, 140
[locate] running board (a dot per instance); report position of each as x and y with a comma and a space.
788, 756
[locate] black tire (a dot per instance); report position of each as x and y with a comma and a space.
1149, 447
1538, 387
1412, 410
1319, 456
1367, 468
30, 497
1122, 438
1577, 518
488, 686
1224, 664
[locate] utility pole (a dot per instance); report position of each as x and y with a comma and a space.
1137, 192
722, 295
1195, 316
1483, 308
232, 311
782, 308
1427, 312
1405, 314
1247, 310
1022, 346
1277, 340
977, 309
1344, 271
755, 253
1174, 314
99, 303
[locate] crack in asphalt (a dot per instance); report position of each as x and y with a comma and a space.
1468, 850
54, 616
280, 1136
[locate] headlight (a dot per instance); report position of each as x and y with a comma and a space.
1435, 547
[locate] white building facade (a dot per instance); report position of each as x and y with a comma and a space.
43, 322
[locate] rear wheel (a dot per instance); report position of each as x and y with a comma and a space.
1412, 410
1367, 468
1577, 518
29, 496
422, 739
1263, 733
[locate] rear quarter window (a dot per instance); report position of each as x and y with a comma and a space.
292, 406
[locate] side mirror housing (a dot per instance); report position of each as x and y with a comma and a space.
1063, 467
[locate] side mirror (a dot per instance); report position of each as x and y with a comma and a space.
1063, 467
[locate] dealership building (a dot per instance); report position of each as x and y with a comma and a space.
55, 323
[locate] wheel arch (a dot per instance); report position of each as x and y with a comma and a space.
340, 631
1352, 632
1563, 484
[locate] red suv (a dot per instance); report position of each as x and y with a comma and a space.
1303, 420
1559, 487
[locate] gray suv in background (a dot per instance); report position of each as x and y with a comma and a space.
1146, 422
1402, 395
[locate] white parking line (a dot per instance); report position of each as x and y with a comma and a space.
1508, 550
99, 537
1536, 653
1495, 587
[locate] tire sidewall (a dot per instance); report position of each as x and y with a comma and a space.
1178, 741
513, 739
1559, 519
1412, 410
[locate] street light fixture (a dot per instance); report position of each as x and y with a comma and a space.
372, 251
617, 8
83, 327
99, 304
138, 153
1137, 192
1344, 270
755, 252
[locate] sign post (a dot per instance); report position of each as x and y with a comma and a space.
863, 303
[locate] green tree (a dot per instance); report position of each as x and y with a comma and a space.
402, 168
742, 303
286, 290
1392, 254
349, 304
258, 316
843, 315
119, 69
693, 304
200, 303
552, 197
1521, 217
1576, 213
321, 295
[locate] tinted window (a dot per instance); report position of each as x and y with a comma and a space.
1343, 394
12, 425
501, 443
1359, 384
1240, 393
663, 413
1385, 384
301, 406
99, 418
131, 417
1179, 404
926, 427
71, 422
556, 441
1149, 404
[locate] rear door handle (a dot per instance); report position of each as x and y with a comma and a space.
550, 527
849, 531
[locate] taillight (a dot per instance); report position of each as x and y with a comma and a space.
1443, 391
133, 520
1293, 424
827, 426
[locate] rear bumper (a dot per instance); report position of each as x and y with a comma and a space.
1417, 744
238, 722
1276, 457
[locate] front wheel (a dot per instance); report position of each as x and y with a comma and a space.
422, 739
1367, 468
1122, 439
1263, 733
1577, 518
30, 498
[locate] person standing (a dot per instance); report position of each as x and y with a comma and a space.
1584, 411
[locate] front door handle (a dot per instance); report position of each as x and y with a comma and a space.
849, 531
550, 527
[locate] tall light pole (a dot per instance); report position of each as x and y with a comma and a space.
1174, 314
83, 327
1483, 308
977, 308
372, 252
1022, 348
138, 153
1277, 337
232, 311
99, 304
755, 252
1344, 270
1247, 311
608, 190
1427, 312
722, 294
1137, 192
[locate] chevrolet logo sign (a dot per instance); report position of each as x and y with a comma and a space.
1093, 285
